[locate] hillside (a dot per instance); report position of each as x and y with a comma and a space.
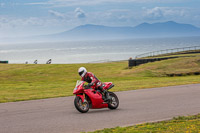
100, 32
165, 29
37, 81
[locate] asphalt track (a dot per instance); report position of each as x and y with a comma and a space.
58, 115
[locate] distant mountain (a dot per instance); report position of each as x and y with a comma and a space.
100, 32
165, 29
169, 28
90, 31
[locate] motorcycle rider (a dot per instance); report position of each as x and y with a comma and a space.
92, 80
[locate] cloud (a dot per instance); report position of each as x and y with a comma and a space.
79, 13
158, 13
38, 3
12, 22
57, 14
155, 13
118, 15
12, 26
47, 13
66, 3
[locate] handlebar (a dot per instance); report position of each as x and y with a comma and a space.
86, 87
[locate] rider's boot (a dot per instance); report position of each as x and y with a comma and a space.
107, 97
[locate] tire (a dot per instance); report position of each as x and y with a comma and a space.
114, 103
82, 107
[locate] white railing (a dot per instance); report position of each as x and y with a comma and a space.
168, 51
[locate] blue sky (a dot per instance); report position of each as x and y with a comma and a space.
35, 17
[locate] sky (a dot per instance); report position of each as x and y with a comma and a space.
40, 17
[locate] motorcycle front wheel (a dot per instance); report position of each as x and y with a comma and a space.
114, 103
81, 106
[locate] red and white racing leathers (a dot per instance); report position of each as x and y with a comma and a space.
92, 80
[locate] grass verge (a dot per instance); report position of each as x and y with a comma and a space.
20, 82
189, 124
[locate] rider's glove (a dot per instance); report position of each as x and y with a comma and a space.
90, 84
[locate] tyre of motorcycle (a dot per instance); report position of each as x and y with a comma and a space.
114, 103
81, 106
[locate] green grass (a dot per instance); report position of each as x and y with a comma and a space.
177, 66
189, 124
20, 82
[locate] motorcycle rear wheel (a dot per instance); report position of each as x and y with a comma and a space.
81, 106
114, 103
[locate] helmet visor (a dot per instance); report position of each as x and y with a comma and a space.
80, 73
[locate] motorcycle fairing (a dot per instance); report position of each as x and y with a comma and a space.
96, 99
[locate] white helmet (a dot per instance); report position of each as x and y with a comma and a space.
82, 71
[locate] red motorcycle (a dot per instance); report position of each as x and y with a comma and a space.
89, 98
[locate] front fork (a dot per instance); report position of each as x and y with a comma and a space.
82, 97
84, 100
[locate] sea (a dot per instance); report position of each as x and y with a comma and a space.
89, 51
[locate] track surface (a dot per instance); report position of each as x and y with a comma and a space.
58, 115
